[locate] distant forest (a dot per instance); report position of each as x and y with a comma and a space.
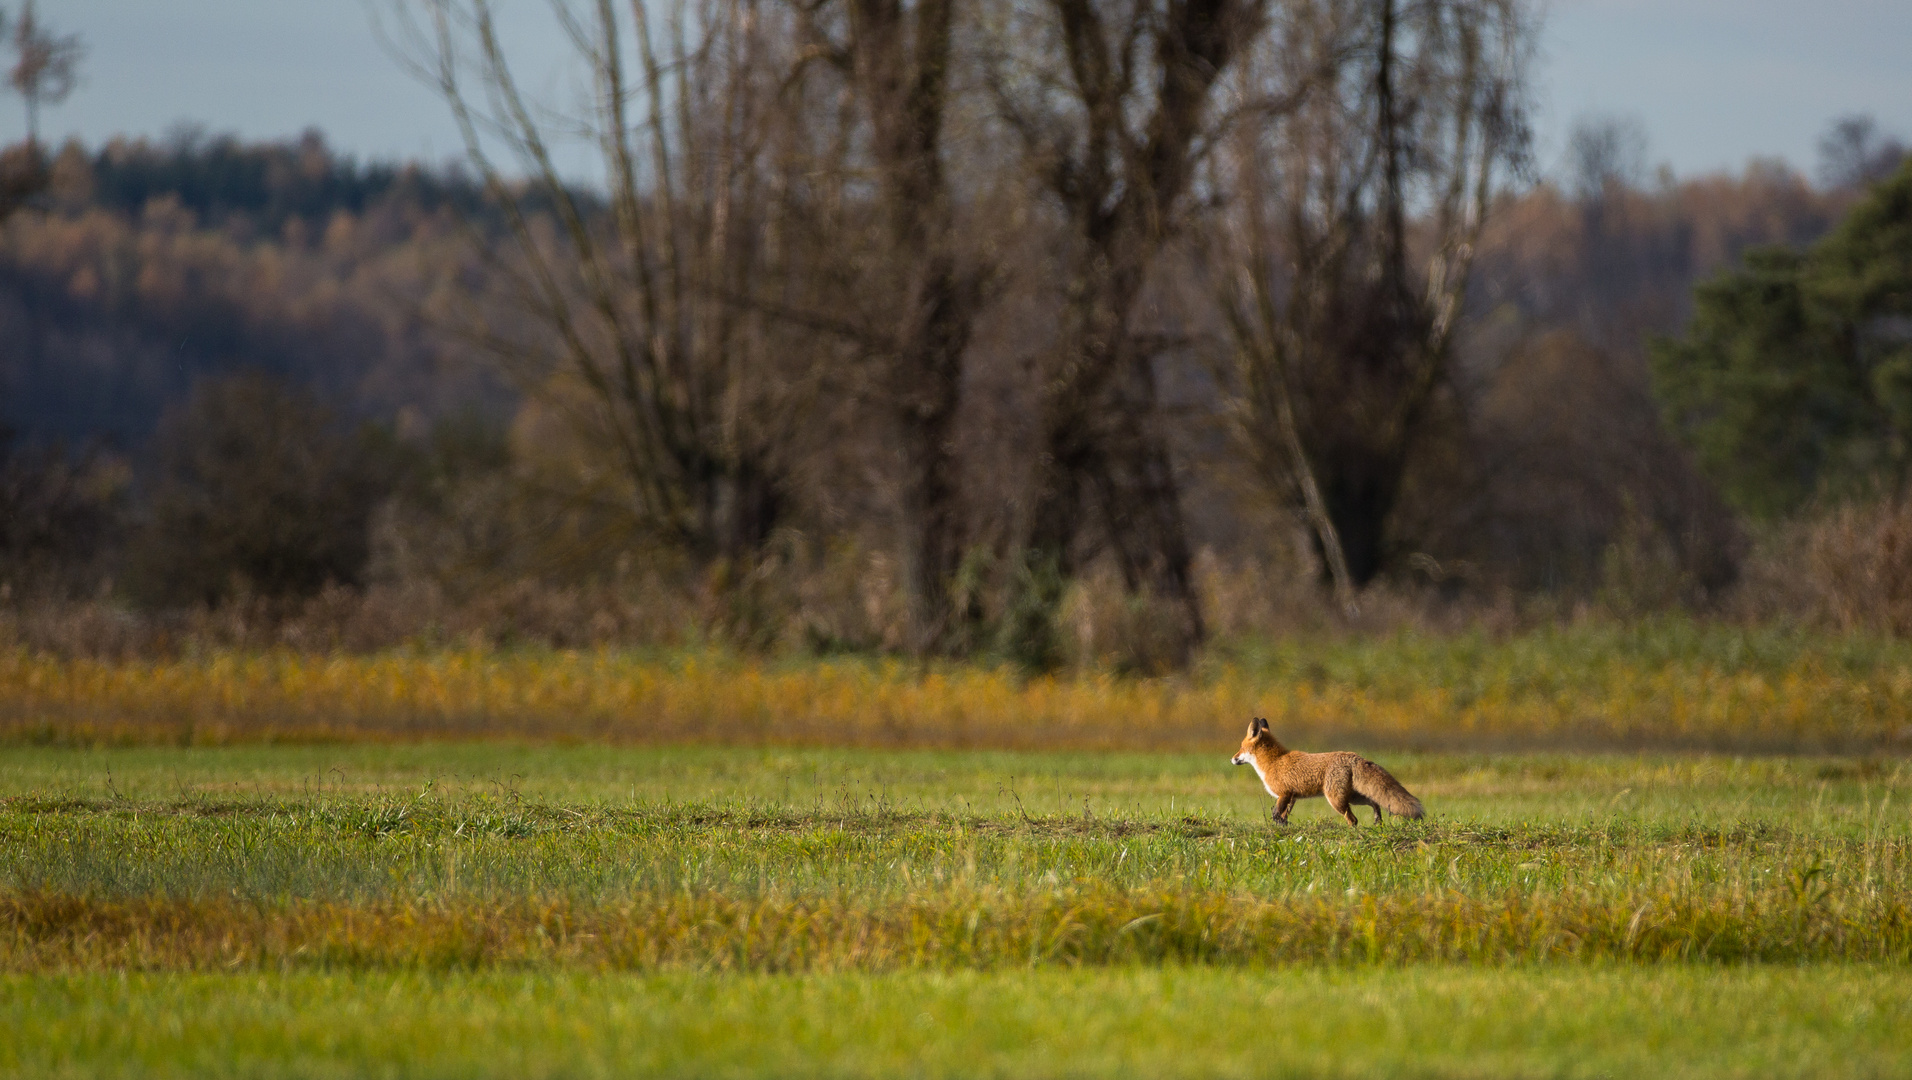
147, 273
222, 180
147, 268
150, 266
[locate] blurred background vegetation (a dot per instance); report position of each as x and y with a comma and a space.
845, 369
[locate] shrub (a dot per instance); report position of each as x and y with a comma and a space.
260, 492
58, 518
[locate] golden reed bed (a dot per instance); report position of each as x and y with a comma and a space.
286, 696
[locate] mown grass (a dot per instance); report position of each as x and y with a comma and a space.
540, 909
1666, 684
1679, 1020
700, 864
779, 860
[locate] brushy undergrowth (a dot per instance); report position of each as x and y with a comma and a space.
1671, 684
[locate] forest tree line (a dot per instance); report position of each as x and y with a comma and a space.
1000, 298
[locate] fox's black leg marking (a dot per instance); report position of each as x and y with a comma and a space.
1283, 804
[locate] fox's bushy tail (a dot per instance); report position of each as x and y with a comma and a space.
1379, 785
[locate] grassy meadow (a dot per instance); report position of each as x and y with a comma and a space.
1425, 1021
221, 883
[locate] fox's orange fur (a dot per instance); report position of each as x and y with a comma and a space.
1346, 780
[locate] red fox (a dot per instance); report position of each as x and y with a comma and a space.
1346, 779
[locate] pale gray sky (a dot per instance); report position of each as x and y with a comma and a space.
1715, 82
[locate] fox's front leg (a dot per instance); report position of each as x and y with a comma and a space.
1283, 804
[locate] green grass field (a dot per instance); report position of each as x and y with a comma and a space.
1599, 1021
524, 910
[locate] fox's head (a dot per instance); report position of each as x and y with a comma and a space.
1257, 739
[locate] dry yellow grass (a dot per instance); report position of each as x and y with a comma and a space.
1799, 703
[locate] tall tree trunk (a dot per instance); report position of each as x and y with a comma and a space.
1360, 495
900, 59
1119, 165
1104, 451
929, 393
748, 504
1143, 505
1070, 455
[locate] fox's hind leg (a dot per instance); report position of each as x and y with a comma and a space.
1338, 788
1363, 800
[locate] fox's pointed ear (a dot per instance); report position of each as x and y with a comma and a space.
1260, 724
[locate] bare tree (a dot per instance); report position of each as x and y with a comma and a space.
627, 315
1853, 153
896, 59
1345, 259
1111, 103
45, 65
1604, 152
45, 70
